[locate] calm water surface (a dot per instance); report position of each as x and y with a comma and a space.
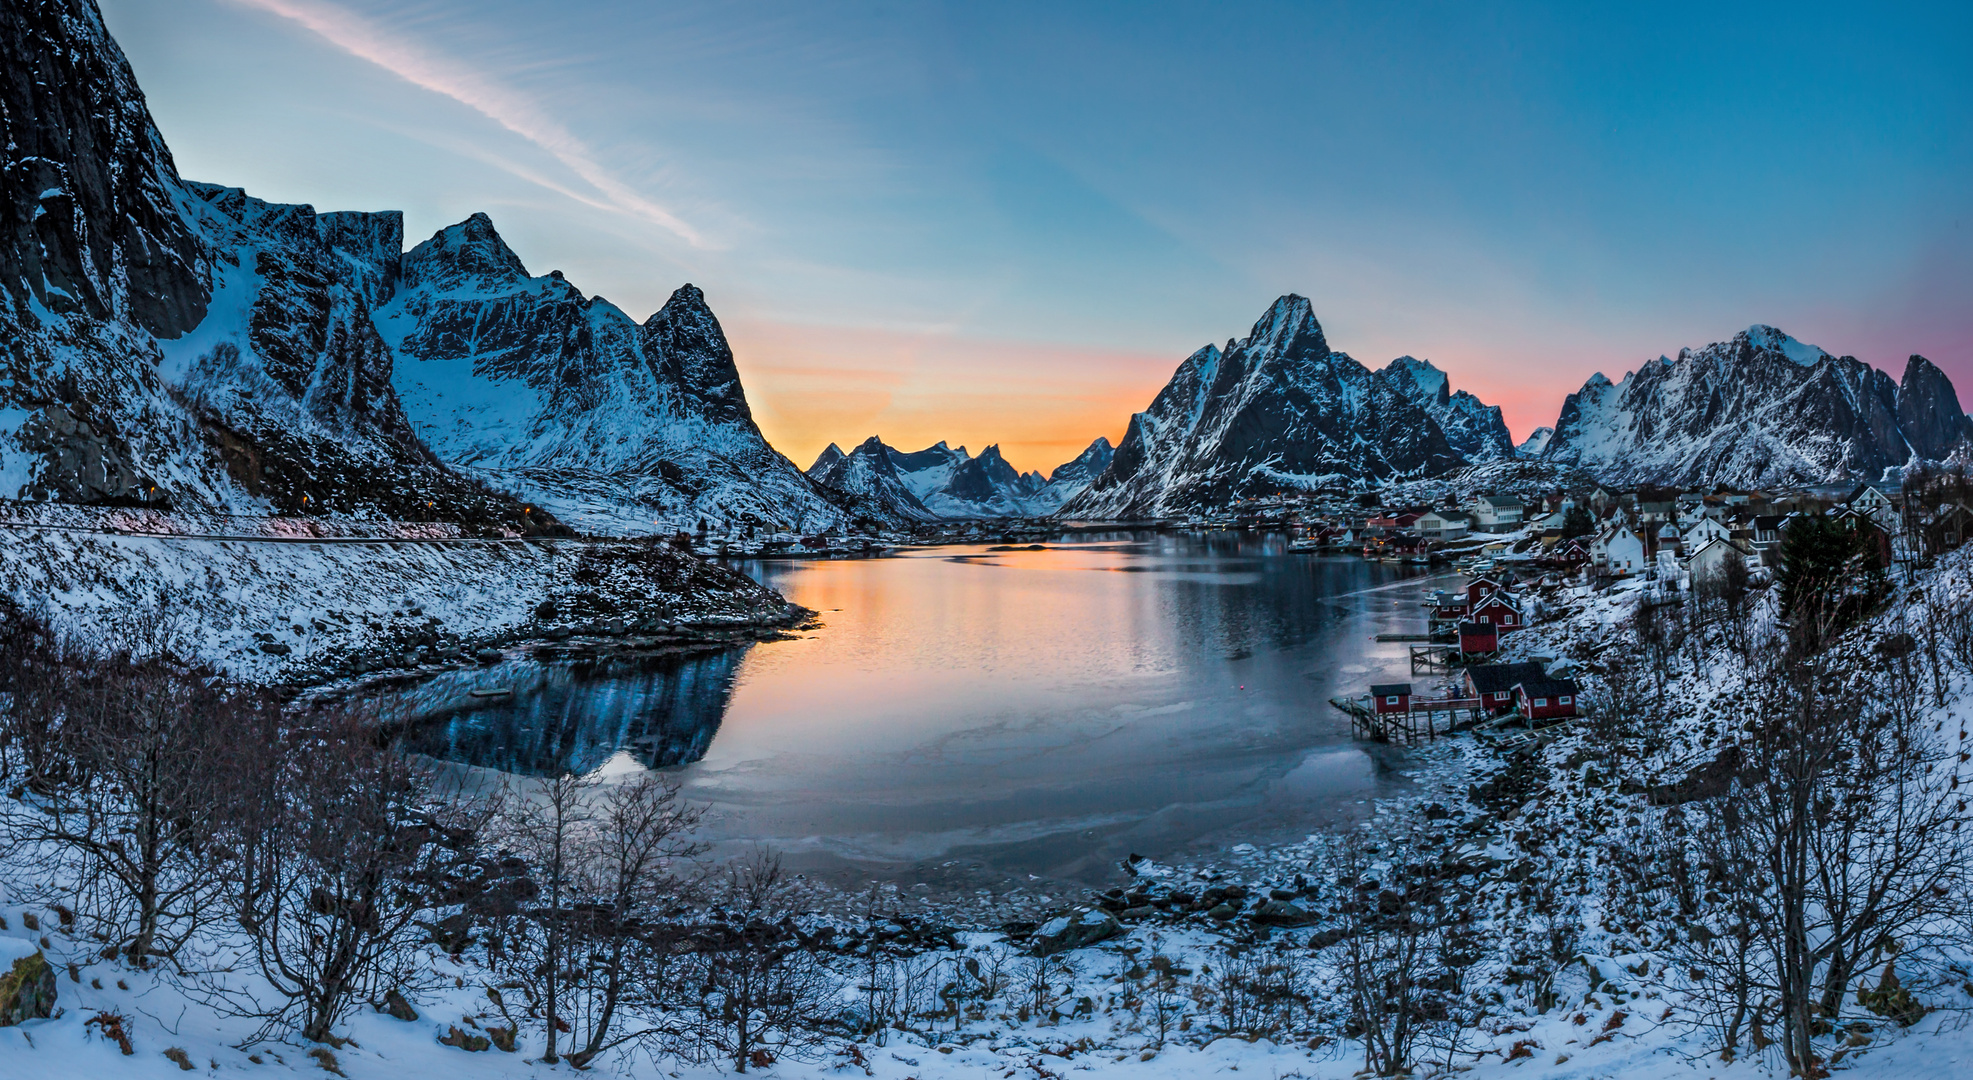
993, 714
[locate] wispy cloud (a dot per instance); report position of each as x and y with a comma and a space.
440, 74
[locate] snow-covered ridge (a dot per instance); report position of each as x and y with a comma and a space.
1762, 409
944, 482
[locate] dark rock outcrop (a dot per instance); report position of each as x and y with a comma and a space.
89, 222
1929, 415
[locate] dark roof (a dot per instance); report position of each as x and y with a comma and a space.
1499, 678
1543, 686
1477, 628
1391, 690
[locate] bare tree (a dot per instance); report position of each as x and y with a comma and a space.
339, 841
128, 758
1841, 837
548, 825
626, 869
759, 990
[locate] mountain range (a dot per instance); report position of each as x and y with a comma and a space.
943, 482
173, 343
1762, 409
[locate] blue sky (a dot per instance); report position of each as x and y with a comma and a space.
1007, 222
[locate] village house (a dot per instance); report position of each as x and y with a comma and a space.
1543, 698
1444, 524
1391, 697
1768, 529
1497, 513
1947, 527
1478, 639
1493, 684
1871, 500
1502, 609
1617, 551
1708, 561
1480, 588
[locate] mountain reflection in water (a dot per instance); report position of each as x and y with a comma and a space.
565, 716
1000, 712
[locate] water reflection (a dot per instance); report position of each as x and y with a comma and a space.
1023, 711
574, 716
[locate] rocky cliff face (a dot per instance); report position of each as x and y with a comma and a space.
613, 424
1474, 430
1760, 410
1278, 410
89, 221
171, 343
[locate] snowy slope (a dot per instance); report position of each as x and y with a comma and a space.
1761, 409
1535, 443
1072, 478
1277, 410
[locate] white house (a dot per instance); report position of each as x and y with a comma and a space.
1617, 551
1498, 513
1443, 525
1870, 500
1708, 561
1703, 531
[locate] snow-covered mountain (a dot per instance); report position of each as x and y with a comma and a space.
1072, 478
180, 344
611, 423
1762, 409
1277, 410
1473, 429
867, 475
1535, 443
187, 344
943, 481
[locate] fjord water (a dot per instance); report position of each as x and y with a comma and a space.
995, 713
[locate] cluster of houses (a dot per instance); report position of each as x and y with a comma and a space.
1490, 690
1683, 537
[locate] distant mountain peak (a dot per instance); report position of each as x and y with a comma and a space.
1761, 410
1762, 336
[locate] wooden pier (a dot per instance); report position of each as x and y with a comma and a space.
1421, 720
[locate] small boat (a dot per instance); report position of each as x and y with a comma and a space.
492, 692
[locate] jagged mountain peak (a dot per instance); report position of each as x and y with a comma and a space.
1431, 383
1763, 336
1288, 329
1762, 409
829, 456
469, 253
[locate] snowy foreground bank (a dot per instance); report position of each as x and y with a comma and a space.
282, 611
1529, 897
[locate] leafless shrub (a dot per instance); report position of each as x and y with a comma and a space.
755, 992
339, 841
